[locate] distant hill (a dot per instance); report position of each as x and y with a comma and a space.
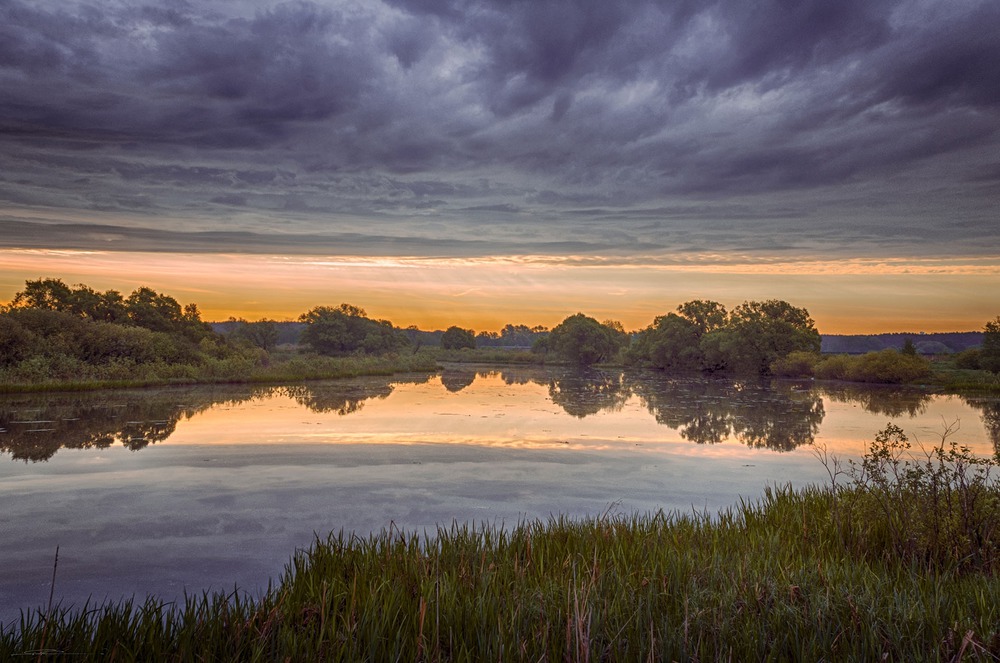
938, 343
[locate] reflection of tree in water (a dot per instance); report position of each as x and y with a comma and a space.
524, 376
517, 375
455, 381
775, 416
990, 409
779, 418
588, 392
33, 427
342, 399
346, 397
890, 401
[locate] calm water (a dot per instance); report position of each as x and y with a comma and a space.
162, 491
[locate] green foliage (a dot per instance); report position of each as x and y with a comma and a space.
143, 308
518, 336
937, 510
16, 342
347, 330
758, 333
884, 367
968, 359
889, 367
161, 313
261, 334
705, 315
541, 345
583, 340
485, 355
834, 367
456, 338
670, 343
47, 294
989, 356
796, 364
909, 349
747, 341
51, 333
54, 334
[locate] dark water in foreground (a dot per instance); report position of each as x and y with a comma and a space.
162, 491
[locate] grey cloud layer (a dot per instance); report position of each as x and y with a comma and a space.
503, 126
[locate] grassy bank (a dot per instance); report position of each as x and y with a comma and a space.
963, 380
485, 355
772, 580
246, 368
899, 563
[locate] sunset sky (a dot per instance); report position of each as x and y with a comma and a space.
442, 162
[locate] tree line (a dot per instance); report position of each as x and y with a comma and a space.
700, 336
50, 327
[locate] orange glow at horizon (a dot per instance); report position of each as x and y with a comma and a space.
843, 296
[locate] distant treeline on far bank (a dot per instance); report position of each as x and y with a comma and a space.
522, 337
52, 333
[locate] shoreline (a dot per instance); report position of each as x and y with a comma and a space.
782, 575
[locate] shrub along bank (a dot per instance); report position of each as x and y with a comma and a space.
53, 336
883, 367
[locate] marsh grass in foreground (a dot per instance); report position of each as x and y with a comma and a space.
832, 573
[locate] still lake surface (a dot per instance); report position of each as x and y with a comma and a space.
188, 489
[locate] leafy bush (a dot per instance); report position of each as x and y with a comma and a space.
670, 343
702, 335
882, 367
16, 342
832, 368
938, 509
348, 330
989, 356
797, 364
888, 367
583, 340
456, 338
968, 359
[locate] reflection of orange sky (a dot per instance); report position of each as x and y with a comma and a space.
849, 296
490, 412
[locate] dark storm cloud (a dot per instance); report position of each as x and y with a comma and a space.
505, 124
117, 238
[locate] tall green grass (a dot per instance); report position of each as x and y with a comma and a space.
823, 573
234, 369
954, 378
487, 355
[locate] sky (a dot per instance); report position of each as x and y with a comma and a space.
443, 162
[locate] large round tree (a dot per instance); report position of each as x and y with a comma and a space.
456, 338
584, 341
757, 334
348, 330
